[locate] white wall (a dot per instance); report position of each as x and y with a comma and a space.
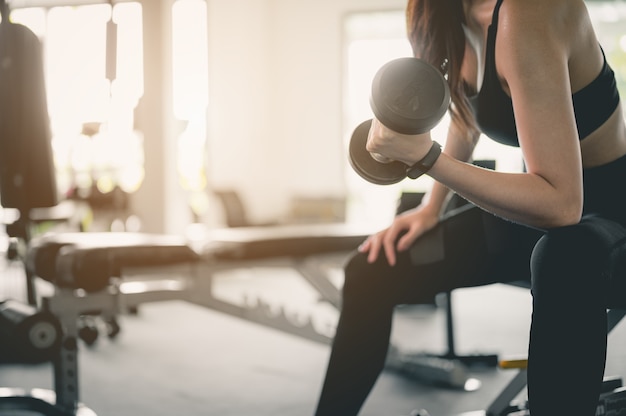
275, 113
275, 120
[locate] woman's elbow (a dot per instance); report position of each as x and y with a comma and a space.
568, 212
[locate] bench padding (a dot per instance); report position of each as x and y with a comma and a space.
89, 260
250, 243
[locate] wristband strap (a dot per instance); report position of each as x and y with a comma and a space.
422, 166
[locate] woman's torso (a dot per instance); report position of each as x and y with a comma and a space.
606, 140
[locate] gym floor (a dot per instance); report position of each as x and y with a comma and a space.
177, 358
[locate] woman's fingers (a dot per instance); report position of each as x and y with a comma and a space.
407, 239
374, 248
390, 240
389, 244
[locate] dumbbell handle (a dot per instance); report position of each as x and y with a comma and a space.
380, 158
418, 168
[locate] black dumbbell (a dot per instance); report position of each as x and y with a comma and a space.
409, 96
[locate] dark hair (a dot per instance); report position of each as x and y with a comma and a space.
435, 31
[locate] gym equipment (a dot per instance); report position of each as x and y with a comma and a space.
102, 255
28, 184
149, 268
123, 264
612, 401
27, 178
408, 96
447, 369
484, 359
28, 335
435, 370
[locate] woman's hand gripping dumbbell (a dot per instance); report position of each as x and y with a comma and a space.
409, 96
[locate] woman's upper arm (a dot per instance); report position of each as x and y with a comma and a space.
532, 55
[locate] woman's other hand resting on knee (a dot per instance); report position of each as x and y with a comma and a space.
407, 226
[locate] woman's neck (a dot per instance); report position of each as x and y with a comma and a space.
478, 14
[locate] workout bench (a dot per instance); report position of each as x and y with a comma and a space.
94, 261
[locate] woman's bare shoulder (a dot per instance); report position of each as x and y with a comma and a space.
560, 18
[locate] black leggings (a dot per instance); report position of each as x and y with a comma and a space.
573, 278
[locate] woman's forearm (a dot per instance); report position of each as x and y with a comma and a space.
460, 147
520, 197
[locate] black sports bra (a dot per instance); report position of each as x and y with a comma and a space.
493, 108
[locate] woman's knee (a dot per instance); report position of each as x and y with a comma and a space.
367, 282
569, 259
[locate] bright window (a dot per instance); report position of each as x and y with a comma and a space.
190, 96
609, 18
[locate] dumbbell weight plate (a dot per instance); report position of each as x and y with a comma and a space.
409, 95
366, 166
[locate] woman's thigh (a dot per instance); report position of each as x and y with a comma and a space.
469, 247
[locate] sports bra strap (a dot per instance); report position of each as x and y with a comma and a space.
496, 12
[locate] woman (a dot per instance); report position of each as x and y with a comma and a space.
528, 73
